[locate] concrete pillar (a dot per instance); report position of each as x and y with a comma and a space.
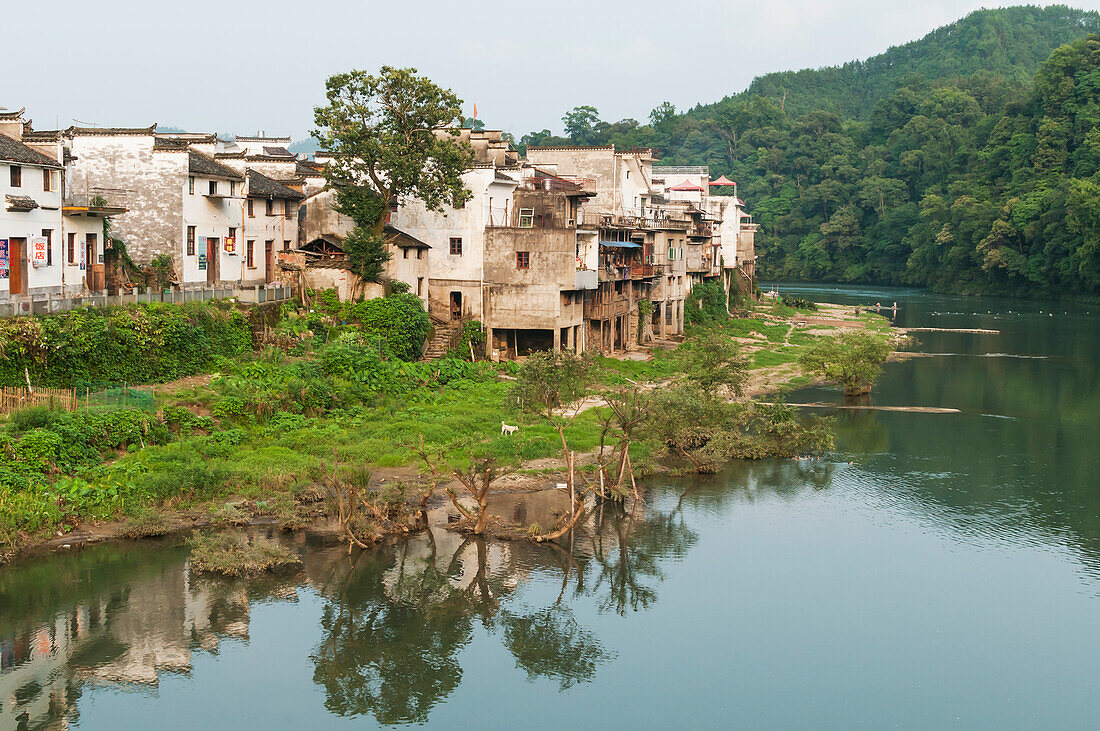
569, 342
662, 309
488, 342
557, 340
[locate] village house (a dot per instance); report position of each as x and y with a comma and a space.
51, 236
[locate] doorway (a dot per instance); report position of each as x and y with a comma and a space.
17, 266
269, 261
211, 261
456, 306
93, 271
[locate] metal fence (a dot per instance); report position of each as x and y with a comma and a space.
49, 303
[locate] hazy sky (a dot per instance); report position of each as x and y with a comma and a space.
231, 66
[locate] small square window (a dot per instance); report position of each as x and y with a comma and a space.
526, 217
213, 187
523, 260
456, 246
191, 185
404, 253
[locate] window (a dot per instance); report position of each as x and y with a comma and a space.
191, 185
269, 207
249, 253
419, 253
456, 246
190, 240
16, 176
288, 209
232, 189
213, 187
526, 217
420, 286
523, 260
251, 212
47, 180
286, 246
48, 235
233, 234
71, 256
404, 253
671, 253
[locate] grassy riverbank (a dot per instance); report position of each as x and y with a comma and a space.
256, 439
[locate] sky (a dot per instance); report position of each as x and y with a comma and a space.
239, 67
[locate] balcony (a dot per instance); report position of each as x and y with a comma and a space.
587, 279
97, 204
564, 184
606, 310
656, 222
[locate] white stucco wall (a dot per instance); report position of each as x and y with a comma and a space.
30, 224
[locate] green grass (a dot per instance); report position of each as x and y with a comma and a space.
772, 358
745, 327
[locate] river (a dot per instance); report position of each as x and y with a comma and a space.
938, 570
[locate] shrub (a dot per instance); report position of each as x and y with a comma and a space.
706, 304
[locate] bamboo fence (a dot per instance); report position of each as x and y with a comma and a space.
13, 399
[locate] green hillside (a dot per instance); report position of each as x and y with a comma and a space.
967, 161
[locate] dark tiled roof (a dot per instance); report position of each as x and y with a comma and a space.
277, 151
402, 240
15, 114
41, 135
200, 164
12, 150
74, 131
308, 167
166, 144
21, 203
261, 186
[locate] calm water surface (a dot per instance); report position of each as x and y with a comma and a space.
937, 571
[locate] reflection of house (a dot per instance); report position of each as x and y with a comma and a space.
126, 636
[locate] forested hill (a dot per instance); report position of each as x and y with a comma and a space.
1010, 43
975, 169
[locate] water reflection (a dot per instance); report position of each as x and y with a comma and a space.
131, 616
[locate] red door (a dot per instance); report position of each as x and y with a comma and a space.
211, 261
269, 261
16, 265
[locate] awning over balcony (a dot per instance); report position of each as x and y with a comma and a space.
620, 245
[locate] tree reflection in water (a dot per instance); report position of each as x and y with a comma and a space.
397, 618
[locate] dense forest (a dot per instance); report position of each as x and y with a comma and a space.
968, 161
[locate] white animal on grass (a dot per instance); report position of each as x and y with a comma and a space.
508, 429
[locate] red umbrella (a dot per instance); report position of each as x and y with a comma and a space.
686, 186
722, 181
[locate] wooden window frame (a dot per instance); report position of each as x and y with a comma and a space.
251, 209
191, 185
47, 180
190, 241
456, 246
71, 248
15, 176
250, 255
523, 260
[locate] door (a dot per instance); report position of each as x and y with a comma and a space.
456, 306
93, 271
17, 266
211, 261
269, 261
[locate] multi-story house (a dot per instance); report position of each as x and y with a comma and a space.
51, 235
30, 215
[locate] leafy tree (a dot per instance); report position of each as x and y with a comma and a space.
712, 360
853, 359
391, 139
